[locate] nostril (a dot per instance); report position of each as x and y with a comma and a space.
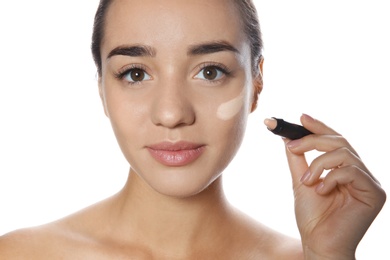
173, 113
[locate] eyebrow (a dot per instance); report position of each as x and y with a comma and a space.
211, 47
198, 49
133, 51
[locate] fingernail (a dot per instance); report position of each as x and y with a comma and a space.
306, 176
307, 117
320, 187
294, 143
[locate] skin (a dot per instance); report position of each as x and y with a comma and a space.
175, 104
180, 212
230, 108
333, 213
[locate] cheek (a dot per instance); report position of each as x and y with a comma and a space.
232, 131
228, 127
122, 105
127, 117
232, 115
237, 106
231, 108
228, 136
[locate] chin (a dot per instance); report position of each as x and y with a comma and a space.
179, 183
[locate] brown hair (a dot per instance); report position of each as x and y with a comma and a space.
250, 24
249, 19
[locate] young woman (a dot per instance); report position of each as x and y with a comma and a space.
178, 80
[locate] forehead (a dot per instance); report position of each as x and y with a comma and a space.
172, 23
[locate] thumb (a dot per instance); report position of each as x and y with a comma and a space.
297, 164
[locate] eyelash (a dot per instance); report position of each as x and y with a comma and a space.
127, 69
222, 68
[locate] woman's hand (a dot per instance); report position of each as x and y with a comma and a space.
334, 211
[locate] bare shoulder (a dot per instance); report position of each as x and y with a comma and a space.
10, 244
55, 240
285, 247
51, 241
71, 237
26, 243
265, 243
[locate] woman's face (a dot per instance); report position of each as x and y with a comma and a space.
177, 86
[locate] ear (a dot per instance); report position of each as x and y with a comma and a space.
100, 85
257, 84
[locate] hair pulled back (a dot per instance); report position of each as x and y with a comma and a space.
246, 9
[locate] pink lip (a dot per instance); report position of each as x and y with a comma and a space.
175, 154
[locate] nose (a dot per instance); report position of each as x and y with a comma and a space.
172, 106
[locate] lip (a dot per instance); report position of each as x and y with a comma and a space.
175, 154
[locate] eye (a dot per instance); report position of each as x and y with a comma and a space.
211, 73
135, 75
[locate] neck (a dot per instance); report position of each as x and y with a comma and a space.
168, 223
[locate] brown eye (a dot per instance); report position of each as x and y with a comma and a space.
212, 73
135, 75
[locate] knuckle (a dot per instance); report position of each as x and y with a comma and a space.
345, 151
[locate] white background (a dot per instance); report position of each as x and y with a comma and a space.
329, 59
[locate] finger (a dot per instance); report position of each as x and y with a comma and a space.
297, 164
316, 126
335, 159
360, 185
322, 143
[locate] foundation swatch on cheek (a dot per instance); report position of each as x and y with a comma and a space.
231, 108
